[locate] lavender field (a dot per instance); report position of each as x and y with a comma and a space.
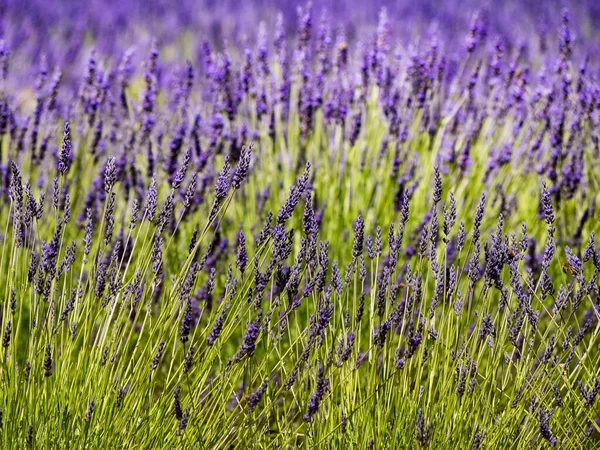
279, 225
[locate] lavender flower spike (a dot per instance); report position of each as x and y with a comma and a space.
65, 157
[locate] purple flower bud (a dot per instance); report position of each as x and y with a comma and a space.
157, 355
217, 326
177, 403
566, 37
422, 430
479, 217
257, 395
344, 351
29, 437
16, 195
546, 203
156, 253
182, 425
177, 178
449, 216
241, 171
296, 192
242, 255
151, 201
6, 335
380, 334
109, 218
222, 183
65, 157
165, 215
574, 265
110, 174
413, 344
189, 359
544, 423
48, 361
4, 59
90, 411
487, 327
249, 343
186, 323
322, 387
437, 186
13, 300
359, 234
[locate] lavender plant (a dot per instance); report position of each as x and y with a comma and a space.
339, 231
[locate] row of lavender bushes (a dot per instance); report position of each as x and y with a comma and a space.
310, 240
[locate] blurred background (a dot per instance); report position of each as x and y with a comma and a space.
65, 32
